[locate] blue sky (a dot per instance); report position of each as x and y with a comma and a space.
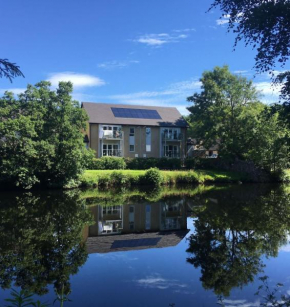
121, 51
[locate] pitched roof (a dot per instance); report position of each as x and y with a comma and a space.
134, 241
101, 113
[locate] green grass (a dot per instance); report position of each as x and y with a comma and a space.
138, 177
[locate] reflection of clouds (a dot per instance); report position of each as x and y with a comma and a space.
113, 256
157, 282
240, 303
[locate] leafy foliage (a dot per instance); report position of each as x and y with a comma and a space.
227, 112
266, 26
40, 137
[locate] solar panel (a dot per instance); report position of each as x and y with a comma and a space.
135, 113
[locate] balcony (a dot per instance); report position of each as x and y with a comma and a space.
171, 154
112, 153
112, 135
173, 137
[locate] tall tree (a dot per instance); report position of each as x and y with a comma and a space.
264, 24
228, 111
41, 138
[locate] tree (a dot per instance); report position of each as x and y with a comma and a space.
228, 111
264, 24
41, 140
9, 70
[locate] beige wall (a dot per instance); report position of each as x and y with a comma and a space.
94, 138
140, 141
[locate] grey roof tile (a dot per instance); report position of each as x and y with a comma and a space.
101, 113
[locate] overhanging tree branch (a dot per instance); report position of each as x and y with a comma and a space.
9, 70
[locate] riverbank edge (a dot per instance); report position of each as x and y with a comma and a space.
117, 178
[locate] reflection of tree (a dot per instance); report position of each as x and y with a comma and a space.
231, 234
40, 240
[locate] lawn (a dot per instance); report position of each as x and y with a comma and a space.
138, 177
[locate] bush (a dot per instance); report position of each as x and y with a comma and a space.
201, 163
141, 163
108, 163
118, 178
146, 163
152, 177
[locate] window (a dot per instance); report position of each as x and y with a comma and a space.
111, 150
132, 140
148, 139
171, 134
171, 151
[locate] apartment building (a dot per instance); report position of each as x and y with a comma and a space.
135, 131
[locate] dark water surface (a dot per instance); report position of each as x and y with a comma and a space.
183, 246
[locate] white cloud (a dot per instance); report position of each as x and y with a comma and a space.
15, 91
116, 64
78, 80
241, 72
223, 20
174, 95
160, 39
185, 30
267, 88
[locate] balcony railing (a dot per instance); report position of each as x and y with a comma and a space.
171, 154
112, 135
171, 136
112, 153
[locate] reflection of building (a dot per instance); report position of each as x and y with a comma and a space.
137, 226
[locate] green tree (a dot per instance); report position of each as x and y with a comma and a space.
264, 24
41, 138
228, 111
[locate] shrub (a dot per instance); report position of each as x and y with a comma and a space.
141, 163
118, 178
108, 163
153, 177
146, 163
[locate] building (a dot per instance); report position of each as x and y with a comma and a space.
195, 149
135, 131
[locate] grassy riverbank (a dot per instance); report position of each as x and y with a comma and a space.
156, 177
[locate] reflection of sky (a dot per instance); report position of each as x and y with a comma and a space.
240, 303
158, 277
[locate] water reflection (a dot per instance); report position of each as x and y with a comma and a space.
233, 229
137, 225
40, 240
42, 237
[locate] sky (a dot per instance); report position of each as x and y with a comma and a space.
140, 52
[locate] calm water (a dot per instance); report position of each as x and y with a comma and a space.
178, 246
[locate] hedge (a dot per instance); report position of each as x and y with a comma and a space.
116, 163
